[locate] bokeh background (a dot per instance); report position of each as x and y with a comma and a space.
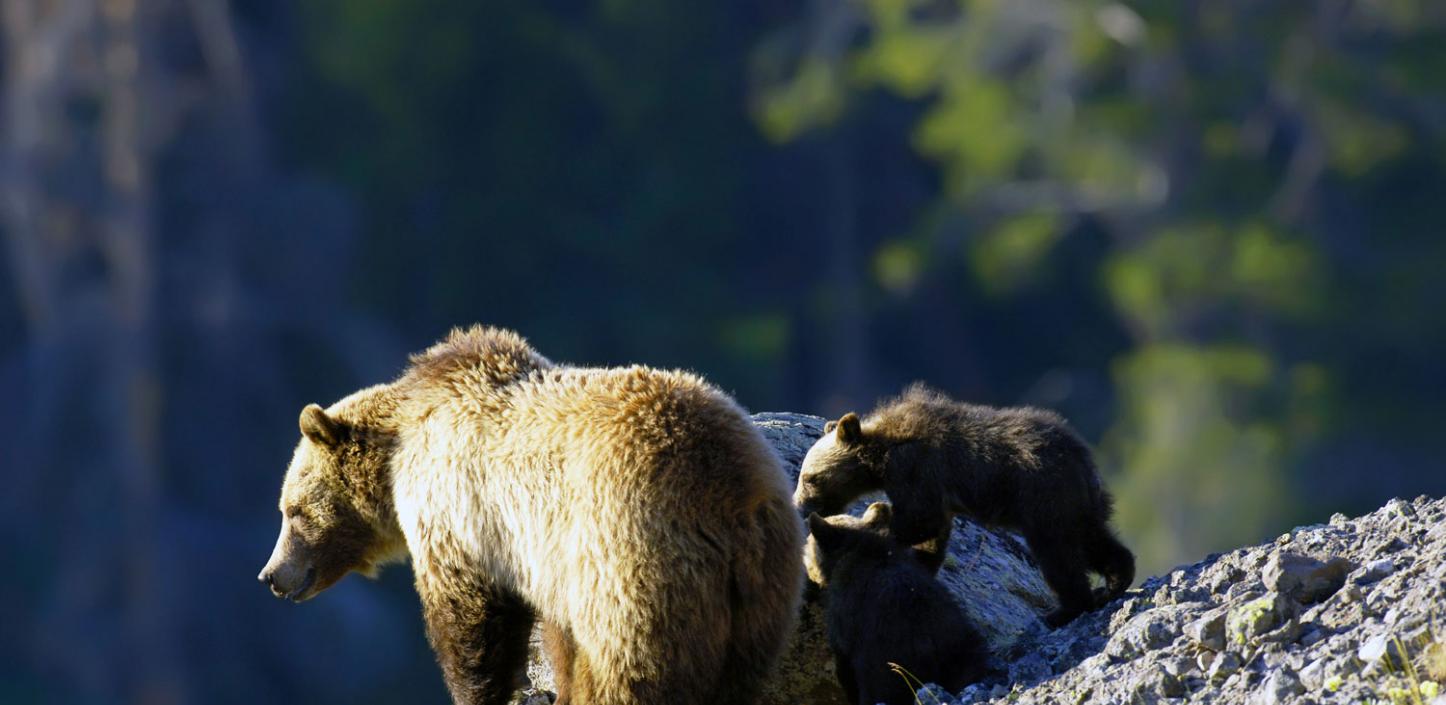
1209, 233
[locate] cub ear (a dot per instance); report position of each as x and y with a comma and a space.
878, 515
318, 427
848, 429
829, 426
822, 531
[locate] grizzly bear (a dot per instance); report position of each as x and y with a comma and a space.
1023, 469
890, 624
637, 513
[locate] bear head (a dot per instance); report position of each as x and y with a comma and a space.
336, 510
849, 461
831, 538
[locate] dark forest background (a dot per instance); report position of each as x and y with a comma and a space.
1209, 233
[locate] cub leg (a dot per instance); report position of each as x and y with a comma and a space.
1062, 563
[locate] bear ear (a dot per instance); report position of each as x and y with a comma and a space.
822, 531
829, 426
848, 430
318, 427
878, 515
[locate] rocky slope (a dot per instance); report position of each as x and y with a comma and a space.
1339, 612
1346, 612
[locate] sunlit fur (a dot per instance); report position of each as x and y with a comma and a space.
883, 607
638, 513
1023, 469
336, 510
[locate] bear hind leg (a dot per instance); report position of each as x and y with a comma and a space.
765, 589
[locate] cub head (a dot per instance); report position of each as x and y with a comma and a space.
829, 539
336, 509
836, 470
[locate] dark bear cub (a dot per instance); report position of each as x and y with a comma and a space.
1021, 468
884, 609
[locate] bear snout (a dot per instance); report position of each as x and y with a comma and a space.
287, 587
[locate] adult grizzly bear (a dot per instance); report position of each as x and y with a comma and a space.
884, 609
637, 512
1021, 469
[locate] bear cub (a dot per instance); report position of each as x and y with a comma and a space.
885, 608
1022, 469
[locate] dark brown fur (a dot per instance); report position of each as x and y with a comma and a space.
1020, 468
884, 608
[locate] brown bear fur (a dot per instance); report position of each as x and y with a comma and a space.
1022, 469
638, 513
884, 608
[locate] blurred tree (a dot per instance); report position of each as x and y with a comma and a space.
1232, 157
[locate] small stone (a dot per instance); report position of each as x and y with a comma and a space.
1178, 667
1030, 669
1224, 665
1372, 649
932, 693
1310, 636
1127, 611
1204, 660
1313, 674
1208, 631
1146, 632
1376, 571
1169, 685
1256, 617
1306, 579
1222, 576
1401, 508
1281, 687
1382, 651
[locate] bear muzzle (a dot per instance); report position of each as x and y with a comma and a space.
289, 574
279, 589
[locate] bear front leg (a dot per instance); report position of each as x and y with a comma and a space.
931, 553
480, 635
1062, 564
847, 680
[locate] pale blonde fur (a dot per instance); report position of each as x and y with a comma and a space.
638, 509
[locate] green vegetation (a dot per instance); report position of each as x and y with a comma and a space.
1246, 177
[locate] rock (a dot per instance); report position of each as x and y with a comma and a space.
1279, 688
1290, 621
1145, 632
1223, 666
932, 694
1168, 685
1254, 619
1383, 651
1208, 631
1375, 571
1306, 579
